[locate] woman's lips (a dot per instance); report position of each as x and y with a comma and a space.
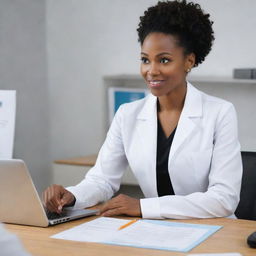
155, 83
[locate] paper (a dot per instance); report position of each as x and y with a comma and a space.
216, 254
7, 123
153, 234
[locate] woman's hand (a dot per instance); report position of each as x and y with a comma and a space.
55, 197
121, 204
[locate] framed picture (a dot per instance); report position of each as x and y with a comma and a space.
118, 96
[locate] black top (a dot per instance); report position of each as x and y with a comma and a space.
164, 185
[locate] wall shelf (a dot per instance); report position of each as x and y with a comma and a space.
207, 79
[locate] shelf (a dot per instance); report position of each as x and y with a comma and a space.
221, 80
83, 161
206, 79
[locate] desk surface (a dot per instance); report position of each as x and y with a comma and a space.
231, 238
83, 161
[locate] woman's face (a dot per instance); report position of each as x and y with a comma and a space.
164, 65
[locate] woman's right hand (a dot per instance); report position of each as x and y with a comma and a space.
56, 197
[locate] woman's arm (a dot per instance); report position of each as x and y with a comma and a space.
103, 180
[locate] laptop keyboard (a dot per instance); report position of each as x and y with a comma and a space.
54, 215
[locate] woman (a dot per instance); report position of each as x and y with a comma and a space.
180, 143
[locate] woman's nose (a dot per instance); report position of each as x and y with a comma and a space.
153, 69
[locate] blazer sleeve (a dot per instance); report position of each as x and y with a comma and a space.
222, 195
104, 179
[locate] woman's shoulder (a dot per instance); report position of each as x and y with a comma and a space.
210, 106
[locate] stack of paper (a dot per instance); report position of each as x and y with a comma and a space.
216, 254
153, 234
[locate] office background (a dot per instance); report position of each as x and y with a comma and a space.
56, 52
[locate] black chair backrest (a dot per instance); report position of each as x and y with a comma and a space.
247, 205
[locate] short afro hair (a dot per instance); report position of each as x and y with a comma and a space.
186, 21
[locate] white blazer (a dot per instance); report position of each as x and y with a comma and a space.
204, 162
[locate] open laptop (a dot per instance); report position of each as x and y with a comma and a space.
19, 200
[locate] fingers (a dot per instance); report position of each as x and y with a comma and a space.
51, 198
113, 212
48, 201
55, 197
67, 199
111, 204
121, 204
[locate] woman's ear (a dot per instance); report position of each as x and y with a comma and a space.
190, 61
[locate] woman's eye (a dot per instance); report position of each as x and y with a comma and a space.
144, 60
164, 60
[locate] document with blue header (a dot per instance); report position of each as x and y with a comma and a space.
151, 234
7, 122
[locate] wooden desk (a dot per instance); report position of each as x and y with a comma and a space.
231, 238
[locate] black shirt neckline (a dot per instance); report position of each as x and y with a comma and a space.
164, 185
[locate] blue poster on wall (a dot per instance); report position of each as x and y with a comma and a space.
119, 96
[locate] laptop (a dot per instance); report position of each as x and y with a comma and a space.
19, 200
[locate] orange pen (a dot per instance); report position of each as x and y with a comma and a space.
127, 224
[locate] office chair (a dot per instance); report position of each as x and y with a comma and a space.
247, 206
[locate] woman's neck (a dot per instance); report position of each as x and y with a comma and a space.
173, 101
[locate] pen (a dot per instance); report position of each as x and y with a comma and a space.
127, 224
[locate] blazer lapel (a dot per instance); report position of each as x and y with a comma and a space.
147, 130
192, 109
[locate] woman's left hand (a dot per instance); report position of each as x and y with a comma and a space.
121, 204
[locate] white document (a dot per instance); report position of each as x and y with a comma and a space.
7, 123
152, 234
216, 254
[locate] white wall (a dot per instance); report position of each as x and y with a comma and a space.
234, 46
86, 39
90, 39
23, 67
